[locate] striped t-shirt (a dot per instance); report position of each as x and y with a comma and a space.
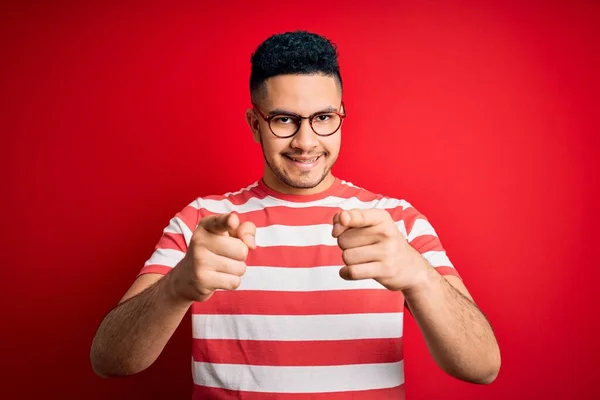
295, 329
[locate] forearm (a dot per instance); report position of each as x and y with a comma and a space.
133, 334
458, 335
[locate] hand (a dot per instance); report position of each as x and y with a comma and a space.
373, 247
215, 258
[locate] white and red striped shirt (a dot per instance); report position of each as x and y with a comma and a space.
295, 329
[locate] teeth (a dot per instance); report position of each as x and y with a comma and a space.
306, 161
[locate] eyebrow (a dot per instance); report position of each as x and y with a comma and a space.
283, 111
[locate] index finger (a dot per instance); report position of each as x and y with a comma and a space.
219, 224
358, 218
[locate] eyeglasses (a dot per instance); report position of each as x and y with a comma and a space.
287, 124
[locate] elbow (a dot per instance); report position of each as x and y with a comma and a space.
488, 367
487, 372
483, 372
481, 377
105, 368
493, 367
106, 365
97, 366
488, 377
100, 364
99, 372
115, 368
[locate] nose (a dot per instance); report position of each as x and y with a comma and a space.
305, 139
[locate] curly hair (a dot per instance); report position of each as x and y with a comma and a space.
297, 52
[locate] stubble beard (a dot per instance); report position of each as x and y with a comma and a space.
285, 179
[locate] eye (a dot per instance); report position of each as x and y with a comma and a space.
283, 119
323, 117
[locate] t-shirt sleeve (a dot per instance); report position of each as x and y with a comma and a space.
421, 235
173, 243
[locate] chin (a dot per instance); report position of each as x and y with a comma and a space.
308, 181
304, 184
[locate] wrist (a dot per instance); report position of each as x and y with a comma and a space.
426, 281
174, 288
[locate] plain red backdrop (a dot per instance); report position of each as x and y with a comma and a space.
485, 117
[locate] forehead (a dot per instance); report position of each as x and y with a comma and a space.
302, 94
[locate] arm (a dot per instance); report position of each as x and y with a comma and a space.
457, 334
133, 334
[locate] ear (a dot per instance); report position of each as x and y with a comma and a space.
254, 124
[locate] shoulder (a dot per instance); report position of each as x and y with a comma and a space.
226, 202
369, 199
403, 212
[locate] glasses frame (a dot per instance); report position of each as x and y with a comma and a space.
269, 118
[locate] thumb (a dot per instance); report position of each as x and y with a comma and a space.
247, 233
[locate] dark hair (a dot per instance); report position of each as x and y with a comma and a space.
297, 52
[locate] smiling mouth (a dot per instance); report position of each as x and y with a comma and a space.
303, 160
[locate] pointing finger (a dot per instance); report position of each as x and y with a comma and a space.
363, 218
221, 224
338, 228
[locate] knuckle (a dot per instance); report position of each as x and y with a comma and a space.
197, 239
200, 254
385, 233
351, 273
242, 269
237, 250
243, 251
200, 278
202, 283
237, 268
347, 257
248, 227
389, 230
345, 240
358, 216
234, 282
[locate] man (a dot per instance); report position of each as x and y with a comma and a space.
298, 282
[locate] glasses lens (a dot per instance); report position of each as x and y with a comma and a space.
326, 124
284, 125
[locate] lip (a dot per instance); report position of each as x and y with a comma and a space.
302, 165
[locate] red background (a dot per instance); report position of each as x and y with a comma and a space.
485, 117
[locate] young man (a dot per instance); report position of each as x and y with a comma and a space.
298, 282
